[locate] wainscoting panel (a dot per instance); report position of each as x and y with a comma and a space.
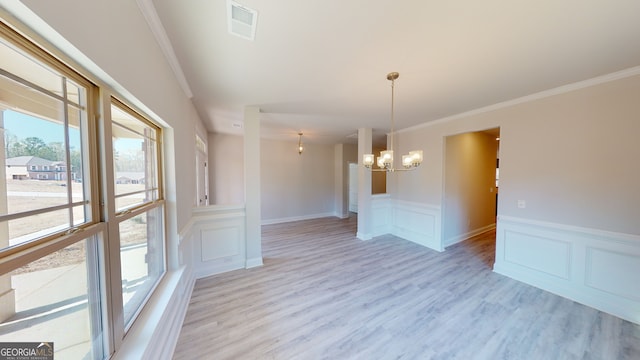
218, 240
593, 267
221, 242
547, 255
418, 223
381, 214
609, 271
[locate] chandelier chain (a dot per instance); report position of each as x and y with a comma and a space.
393, 119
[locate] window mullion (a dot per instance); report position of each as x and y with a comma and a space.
113, 294
67, 160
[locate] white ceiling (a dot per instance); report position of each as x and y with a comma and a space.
320, 66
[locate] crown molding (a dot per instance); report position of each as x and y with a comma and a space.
536, 96
151, 16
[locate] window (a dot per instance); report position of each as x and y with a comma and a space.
47, 119
61, 247
49, 234
138, 206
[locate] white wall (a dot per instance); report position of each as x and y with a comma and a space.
296, 186
293, 186
226, 169
572, 157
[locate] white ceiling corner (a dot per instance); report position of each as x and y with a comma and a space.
151, 16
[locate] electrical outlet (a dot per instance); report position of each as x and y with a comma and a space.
522, 204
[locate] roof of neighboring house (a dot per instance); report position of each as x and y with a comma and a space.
134, 175
27, 160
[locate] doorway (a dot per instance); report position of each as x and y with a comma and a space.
470, 186
353, 187
202, 173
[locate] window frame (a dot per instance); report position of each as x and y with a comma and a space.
158, 161
42, 55
120, 216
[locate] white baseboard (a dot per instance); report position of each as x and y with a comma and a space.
594, 267
468, 235
251, 263
296, 218
206, 270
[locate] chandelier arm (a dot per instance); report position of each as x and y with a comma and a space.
394, 170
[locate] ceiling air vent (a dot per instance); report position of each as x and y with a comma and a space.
241, 20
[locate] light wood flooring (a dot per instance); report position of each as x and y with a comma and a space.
323, 294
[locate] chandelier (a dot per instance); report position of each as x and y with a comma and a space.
385, 160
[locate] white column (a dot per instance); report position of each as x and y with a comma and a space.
252, 186
365, 224
7, 294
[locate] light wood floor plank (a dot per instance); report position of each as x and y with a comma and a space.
323, 294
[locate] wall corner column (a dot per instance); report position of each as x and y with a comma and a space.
365, 222
253, 230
